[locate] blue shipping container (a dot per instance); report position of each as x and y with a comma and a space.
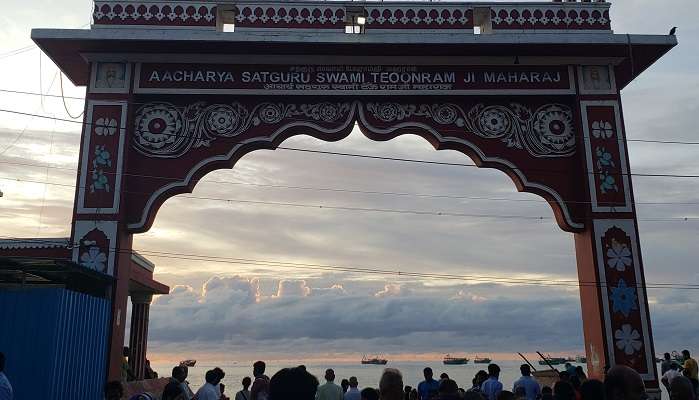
55, 342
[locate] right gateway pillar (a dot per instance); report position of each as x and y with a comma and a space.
616, 320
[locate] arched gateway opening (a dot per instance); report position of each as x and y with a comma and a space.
531, 89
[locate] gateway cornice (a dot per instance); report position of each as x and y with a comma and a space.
373, 16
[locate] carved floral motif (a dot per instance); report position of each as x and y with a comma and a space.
545, 132
162, 130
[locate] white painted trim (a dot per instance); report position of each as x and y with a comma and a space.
478, 92
344, 60
84, 168
109, 228
269, 139
581, 83
601, 226
359, 92
464, 31
497, 31
284, 29
142, 261
620, 139
197, 35
93, 79
151, 27
34, 243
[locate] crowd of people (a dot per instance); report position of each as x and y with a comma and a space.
620, 383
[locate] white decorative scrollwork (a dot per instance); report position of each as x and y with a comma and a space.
162, 130
545, 132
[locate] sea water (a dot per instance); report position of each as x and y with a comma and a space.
367, 375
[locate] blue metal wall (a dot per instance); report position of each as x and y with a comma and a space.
55, 342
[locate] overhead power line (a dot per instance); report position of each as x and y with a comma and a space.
375, 270
354, 191
676, 142
540, 171
382, 210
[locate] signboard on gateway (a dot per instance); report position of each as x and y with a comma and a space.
352, 79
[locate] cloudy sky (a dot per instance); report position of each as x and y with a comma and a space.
286, 311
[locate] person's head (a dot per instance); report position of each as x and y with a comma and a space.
113, 390
2, 361
210, 377
369, 394
623, 383
493, 370
246, 382
219, 375
179, 374
413, 394
666, 356
564, 376
525, 369
681, 388
443, 375
391, 385
344, 384
481, 376
427, 373
448, 386
685, 354
563, 391
592, 390
258, 368
407, 390
293, 383
353, 382
329, 375
302, 367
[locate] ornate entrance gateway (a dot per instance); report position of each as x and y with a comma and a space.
531, 89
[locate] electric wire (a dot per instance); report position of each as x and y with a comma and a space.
540, 171
376, 209
656, 141
479, 278
351, 191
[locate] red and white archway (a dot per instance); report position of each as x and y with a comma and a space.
535, 95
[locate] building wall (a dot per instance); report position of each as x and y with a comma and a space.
55, 342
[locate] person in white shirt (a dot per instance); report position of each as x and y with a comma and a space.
532, 390
669, 375
210, 390
329, 391
353, 392
245, 393
5, 387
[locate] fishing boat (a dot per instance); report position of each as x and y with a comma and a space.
450, 360
481, 360
188, 363
374, 360
553, 360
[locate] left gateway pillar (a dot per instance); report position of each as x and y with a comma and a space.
99, 236
138, 340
